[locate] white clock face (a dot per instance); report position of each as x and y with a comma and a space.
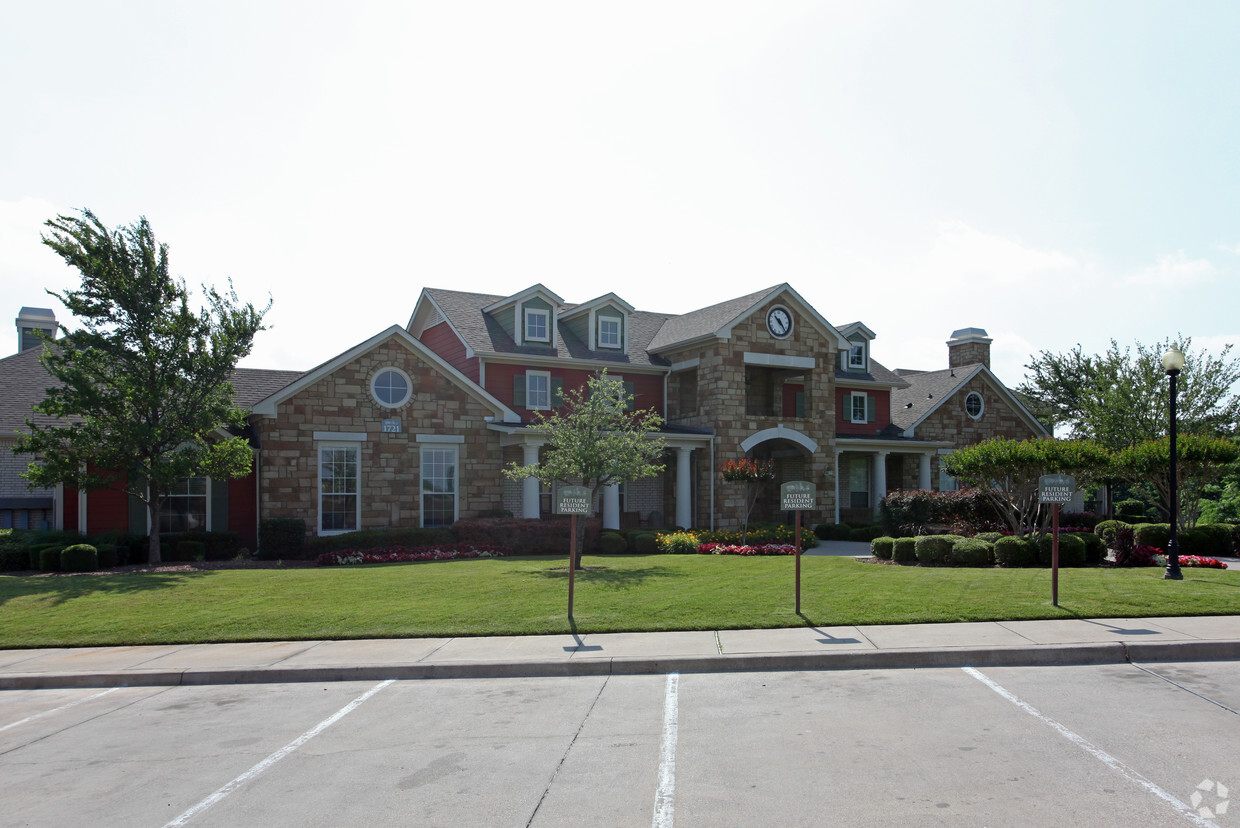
779, 322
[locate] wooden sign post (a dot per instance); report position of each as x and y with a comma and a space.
1055, 489
795, 497
574, 501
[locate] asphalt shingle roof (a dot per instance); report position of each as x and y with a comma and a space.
925, 390
705, 320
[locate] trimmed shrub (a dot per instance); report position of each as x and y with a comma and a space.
131, 548
48, 557
383, 538
1131, 511
1152, 534
190, 550
904, 550
281, 538
933, 549
523, 536
81, 557
881, 548
216, 546
972, 552
13, 556
909, 512
644, 543
108, 556
1095, 549
1108, 529
989, 537
825, 531
1215, 539
866, 532
613, 543
1012, 552
1071, 550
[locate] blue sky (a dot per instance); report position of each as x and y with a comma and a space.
1053, 172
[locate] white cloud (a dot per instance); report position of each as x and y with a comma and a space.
1174, 269
1230, 248
965, 254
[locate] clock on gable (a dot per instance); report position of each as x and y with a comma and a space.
779, 322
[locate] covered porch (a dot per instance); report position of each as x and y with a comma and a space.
866, 469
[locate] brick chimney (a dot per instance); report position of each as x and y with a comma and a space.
31, 322
968, 346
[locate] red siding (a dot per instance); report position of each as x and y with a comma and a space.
107, 510
443, 341
647, 388
843, 411
243, 510
790, 398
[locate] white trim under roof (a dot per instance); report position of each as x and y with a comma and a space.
607, 298
267, 407
686, 364
810, 312
860, 327
780, 361
517, 298
417, 308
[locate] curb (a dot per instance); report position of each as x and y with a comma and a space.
1115, 652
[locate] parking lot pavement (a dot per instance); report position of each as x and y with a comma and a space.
1125, 744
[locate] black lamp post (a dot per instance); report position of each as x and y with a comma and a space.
1172, 362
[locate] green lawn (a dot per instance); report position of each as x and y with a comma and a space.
529, 595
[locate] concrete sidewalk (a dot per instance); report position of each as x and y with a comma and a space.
1076, 641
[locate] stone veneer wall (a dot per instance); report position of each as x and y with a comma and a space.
951, 422
390, 483
721, 406
968, 353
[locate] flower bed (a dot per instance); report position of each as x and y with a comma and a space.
1192, 560
733, 549
406, 554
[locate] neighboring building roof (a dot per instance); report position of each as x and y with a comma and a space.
927, 390
24, 383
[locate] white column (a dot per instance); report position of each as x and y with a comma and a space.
529, 486
880, 478
611, 506
923, 472
684, 510
838, 452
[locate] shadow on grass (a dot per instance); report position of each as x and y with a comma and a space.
611, 578
61, 589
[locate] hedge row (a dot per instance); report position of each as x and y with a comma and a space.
1207, 540
44, 549
1075, 549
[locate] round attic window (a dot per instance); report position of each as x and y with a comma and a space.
973, 405
391, 387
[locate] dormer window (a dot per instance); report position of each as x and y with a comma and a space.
609, 331
856, 357
537, 325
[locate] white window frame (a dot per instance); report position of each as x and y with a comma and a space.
947, 483
529, 390
456, 480
619, 323
530, 314
981, 402
853, 396
206, 500
852, 348
356, 448
408, 386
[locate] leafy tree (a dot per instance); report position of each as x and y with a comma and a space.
1200, 461
755, 474
142, 388
594, 441
1121, 398
1007, 472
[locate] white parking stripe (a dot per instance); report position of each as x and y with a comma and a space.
664, 795
1107, 759
58, 709
277, 756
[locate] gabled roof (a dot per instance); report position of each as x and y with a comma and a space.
857, 327
877, 375
483, 336
928, 390
718, 320
24, 384
533, 290
605, 299
268, 405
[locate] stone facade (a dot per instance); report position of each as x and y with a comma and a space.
341, 404
951, 423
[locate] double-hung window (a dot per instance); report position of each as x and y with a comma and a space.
439, 506
858, 407
339, 488
856, 357
537, 325
185, 507
609, 332
537, 390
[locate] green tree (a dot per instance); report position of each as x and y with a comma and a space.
142, 394
1200, 462
1007, 472
1121, 398
595, 440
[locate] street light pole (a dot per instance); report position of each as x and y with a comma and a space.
1173, 362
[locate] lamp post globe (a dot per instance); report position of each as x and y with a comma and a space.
1173, 363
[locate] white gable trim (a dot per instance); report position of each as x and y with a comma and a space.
268, 406
779, 432
824, 327
469, 352
595, 304
991, 380
779, 360
518, 298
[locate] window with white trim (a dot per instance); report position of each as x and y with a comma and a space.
947, 483
184, 508
974, 405
858, 407
859, 483
340, 505
609, 331
537, 325
856, 356
439, 500
538, 390
391, 387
